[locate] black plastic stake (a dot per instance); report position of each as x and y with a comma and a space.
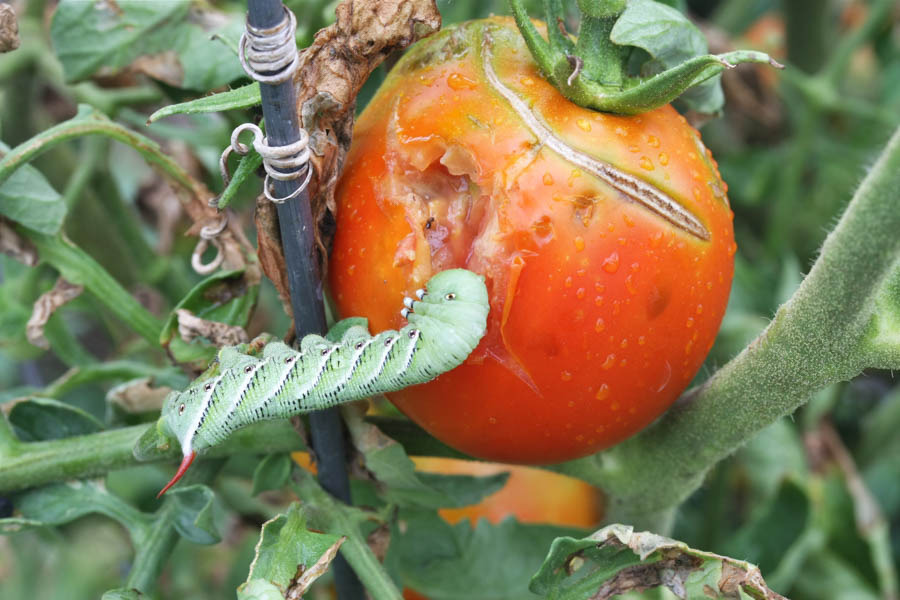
279, 104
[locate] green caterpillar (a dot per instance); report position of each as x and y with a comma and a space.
445, 325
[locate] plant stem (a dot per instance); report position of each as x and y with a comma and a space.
807, 32
90, 122
330, 515
31, 464
820, 336
78, 267
155, 545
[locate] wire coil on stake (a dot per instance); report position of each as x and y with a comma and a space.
270, 55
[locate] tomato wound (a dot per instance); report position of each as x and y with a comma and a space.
606, 242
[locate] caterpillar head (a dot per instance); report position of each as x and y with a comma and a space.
455, 297
181, 415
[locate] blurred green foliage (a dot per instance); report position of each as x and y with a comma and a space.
814, 500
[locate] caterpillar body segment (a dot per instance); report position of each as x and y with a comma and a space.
445, 324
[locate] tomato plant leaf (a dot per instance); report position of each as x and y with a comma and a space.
259, 589
450, 562
286, 548
616, 559
123, 594
62, 503
405, 486
37, 419
242, 97
166, 40
272, 473
671, 39
29, 199
199, 517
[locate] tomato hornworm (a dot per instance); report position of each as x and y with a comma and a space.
445, 324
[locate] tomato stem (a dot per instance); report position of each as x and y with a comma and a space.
594, 71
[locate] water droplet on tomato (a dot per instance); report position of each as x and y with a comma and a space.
689, 323
458, 81
492, 420
609, 363
548, 179
525, 80
629, 285
568, 282
611, 263
599, 325
663, 158
633, 148
732, 248
621, 131
351, 269
565, 376
624, 343
602, 394
628, 220
579, 243
653, 141
646, 163
599, 286
583, 124
579, 293
642, 340
699, 309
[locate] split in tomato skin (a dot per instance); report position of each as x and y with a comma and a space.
604, 298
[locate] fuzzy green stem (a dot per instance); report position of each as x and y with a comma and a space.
827, 332
327, 513
604, 62
31, 464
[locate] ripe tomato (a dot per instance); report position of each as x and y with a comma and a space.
606, 243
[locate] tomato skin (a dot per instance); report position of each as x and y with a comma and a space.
601, 310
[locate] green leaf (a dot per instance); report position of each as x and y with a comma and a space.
286, 544
404, 485
259, 589
38, 419
272, 472
94, 37
456, 562
29, 199
671, 39
224, 296
62, 503
199, 517
242, 97
123, 594
618, 556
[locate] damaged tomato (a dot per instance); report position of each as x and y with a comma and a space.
606, 242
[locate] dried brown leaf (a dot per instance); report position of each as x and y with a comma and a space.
44, 308
138, 396
305, 578
9, 29
191, 326
15, 246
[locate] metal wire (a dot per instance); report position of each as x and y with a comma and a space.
270, 55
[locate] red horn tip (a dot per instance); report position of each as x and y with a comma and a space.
185, 463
